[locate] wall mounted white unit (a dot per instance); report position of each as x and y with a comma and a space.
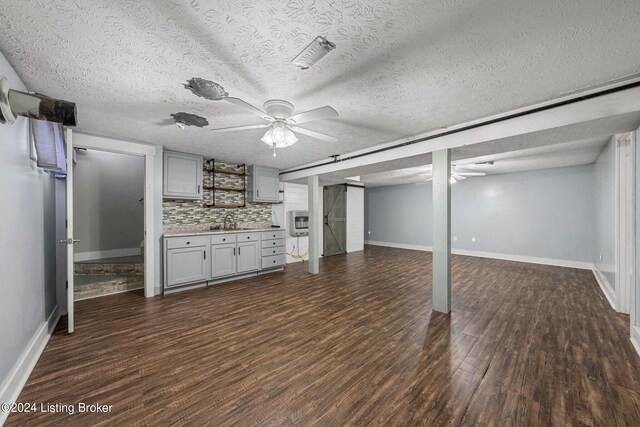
182, 176
298, 223
263, 184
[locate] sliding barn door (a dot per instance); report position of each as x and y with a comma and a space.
335, 220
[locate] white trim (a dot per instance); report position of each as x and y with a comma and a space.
22, 369
399, 245
604, 284
149, 152
111, 253
493, 255
103, 143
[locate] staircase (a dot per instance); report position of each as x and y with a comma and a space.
107, 276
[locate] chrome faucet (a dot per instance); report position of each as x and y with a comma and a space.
230, 223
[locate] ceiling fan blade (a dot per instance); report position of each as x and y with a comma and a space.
231, 129
317, 135
321, 113
245, 105
470, 173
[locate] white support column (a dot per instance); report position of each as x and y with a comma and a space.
442, 231
314, 225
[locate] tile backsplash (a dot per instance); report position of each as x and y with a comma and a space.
195, 212
192, 212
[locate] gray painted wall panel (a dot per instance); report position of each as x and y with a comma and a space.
605, 215
547, 214
27, 254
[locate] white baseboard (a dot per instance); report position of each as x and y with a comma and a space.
493, 255
22, 369
113, 253
604, 284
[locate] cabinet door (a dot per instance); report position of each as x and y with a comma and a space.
247, 256
267, 184
182, 176
223, 260
186, 265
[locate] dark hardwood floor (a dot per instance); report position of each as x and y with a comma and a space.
358, 344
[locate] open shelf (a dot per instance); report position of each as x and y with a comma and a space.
212, 170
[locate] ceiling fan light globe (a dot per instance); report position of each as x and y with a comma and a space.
268, 137
289, 137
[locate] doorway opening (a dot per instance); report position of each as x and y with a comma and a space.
108, 212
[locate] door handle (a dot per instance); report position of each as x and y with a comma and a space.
70, 241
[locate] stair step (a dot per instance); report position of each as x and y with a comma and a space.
91, 286
122, 269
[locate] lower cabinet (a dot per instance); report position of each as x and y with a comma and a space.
191, 260
185, 265
223, 260
247, 257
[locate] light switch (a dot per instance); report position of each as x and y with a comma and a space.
473, 239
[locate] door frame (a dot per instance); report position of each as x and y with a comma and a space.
93, 142
624, 224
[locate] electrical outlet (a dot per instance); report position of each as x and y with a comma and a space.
369, 232
473, 239
455, 238
601, 257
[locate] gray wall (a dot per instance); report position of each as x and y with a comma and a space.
547, 214
107, 213
27, 241
605, 212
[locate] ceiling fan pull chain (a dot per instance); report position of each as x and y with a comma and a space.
274, 150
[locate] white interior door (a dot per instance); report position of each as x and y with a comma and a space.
70, 240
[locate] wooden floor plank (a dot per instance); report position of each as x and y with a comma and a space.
357, 344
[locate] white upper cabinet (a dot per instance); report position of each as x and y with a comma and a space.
263, 184
182, 176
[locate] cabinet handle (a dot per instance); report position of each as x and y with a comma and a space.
188, 243
224, 240
205, 254
198, 189
274, 252
234, 251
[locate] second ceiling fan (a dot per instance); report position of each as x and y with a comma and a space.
281, 123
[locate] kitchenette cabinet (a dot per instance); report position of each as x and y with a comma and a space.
221, 256
263, 184
182, 176
185, 261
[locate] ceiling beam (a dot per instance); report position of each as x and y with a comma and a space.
613, 103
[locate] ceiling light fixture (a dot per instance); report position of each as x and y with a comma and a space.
311, 54
279, 136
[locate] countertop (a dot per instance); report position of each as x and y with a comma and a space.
180, 233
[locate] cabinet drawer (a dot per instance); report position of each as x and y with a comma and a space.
247, 237
218, 239
272, 243
273, 261
185, 242
279, 234
273, 251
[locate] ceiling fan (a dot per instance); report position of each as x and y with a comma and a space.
457, 174
278, 114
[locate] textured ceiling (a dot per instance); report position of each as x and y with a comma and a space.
399, 67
